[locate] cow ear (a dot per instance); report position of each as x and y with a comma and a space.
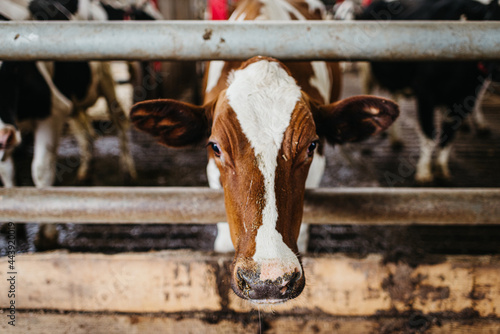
354, 119
172, 123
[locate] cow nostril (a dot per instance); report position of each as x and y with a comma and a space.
290, 283
243, 282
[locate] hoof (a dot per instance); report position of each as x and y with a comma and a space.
47, 237
465, 127
397, 145
443, 182
483, 133
424, 179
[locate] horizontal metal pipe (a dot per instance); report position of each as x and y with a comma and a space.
367, 206
202, 40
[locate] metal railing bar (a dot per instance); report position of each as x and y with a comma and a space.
205, 40
366, 206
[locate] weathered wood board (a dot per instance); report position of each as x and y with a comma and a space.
185, 281
84, 323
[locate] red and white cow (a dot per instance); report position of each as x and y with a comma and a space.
265, 123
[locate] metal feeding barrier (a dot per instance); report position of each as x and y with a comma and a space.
368, 206
204, 40
177, 290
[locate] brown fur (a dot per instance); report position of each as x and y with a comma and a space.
178, 124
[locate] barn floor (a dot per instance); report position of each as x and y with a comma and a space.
474, 162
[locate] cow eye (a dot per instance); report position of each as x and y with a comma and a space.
312, 147
215, 147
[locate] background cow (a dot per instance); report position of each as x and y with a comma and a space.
42, 96
30, 100
265, 123
77, 86
453, 85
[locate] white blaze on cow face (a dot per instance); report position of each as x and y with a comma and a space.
263, 96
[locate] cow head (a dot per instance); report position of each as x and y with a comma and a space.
262, 132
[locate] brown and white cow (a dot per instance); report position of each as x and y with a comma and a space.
265, 122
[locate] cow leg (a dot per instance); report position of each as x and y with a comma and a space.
424, 165
451, 122
316, 170
84, 134
368, 85
442, 162
395, 130
427, 142
48, 132
477, 114
47, 135
7, 172
43, 168
366, 77
47, 237
117, 116
313, 180
223, 242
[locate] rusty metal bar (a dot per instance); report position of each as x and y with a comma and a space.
202, 40
368, 206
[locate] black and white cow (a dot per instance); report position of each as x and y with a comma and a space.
85, 82
42, 96
14, 10
452, 85
30, 100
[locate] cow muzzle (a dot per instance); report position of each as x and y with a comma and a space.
270, 282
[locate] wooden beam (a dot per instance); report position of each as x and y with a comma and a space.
184, 281
84, 323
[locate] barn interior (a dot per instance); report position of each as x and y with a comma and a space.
407, 269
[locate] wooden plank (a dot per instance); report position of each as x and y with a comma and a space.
340, 285
78, 323
147, 282
183, 281
39, 323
